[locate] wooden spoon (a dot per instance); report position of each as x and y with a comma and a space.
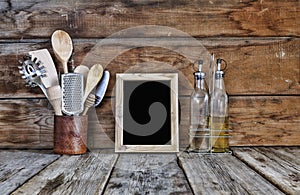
84, 70
94, 76
62, 47
95, 99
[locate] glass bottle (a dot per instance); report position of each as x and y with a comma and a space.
199, 132
219, 120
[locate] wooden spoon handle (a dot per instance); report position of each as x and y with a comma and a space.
65, 66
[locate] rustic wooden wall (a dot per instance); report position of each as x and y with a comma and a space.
259, 39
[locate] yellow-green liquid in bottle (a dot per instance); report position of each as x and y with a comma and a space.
220, 134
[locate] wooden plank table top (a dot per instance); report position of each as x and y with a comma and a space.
248, 170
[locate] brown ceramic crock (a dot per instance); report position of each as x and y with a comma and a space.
70, 134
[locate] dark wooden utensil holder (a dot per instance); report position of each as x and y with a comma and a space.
70, 134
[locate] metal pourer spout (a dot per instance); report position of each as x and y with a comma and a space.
199, 74
219, 61
219, 73
200, 64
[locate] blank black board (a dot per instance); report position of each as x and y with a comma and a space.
147, 113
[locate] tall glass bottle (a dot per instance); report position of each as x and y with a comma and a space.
199, 132
219, 120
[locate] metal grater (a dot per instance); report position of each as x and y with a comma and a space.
72, 93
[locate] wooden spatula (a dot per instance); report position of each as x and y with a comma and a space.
50, 81
44, 56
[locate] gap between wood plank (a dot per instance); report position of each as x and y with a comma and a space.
184, 173
67, 177
36, 174
253, 168
217, 38
109, 175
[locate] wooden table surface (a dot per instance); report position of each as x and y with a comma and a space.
248, 170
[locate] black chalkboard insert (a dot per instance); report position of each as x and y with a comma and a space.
147, 113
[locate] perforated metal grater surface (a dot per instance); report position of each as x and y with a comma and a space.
72, 93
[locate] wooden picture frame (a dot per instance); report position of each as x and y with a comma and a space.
146, 117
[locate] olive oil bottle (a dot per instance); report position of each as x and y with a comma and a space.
219, 120
220, 134
199, 104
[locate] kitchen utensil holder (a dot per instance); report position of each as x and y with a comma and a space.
70, 134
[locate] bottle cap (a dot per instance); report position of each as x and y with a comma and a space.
219, 73
199, 74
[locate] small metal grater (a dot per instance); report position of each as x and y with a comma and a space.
72, 93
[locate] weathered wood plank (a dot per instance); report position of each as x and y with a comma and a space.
16, 167
265, 121
147, 174
248, 70
197, 18
223, 174
255, 121
101, 129
278, 165
83, 174
26, 123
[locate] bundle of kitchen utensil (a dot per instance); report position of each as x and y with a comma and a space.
73, 95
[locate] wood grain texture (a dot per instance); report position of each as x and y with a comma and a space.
255, 121
259, 40
26, 123
265, 121
255, 65
70, 134
197, 18
16, 167
147, 174
81, 174
222, 174
279, 165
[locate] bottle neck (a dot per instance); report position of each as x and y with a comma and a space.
219, 83
199, 83
219, 80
